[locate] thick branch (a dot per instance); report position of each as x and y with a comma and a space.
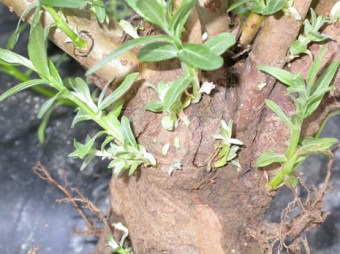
270, 48
273, 134
103, 42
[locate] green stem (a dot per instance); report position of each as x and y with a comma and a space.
289, 166
294, 141
11, 70
192, 72
62, 25
95, 116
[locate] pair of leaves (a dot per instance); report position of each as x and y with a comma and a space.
169, 100
152, 10
229, 146
308, 146
256, 6
310, 95
311, 34
204, 57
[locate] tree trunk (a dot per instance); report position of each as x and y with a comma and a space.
196, 210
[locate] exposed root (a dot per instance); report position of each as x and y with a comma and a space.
300, 215
75, 197
33, 250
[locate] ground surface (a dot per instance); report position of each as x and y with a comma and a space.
30, 216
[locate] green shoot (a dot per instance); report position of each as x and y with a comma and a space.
119, 144
311, 34
307, 96
193, 57
262, 7
228, 147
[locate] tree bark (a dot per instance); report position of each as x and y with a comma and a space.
196, 211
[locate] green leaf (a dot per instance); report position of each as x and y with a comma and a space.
175, 91
37, 51
74, 4
132, 170
326, 78
220, 43
114, 126
82, 149
22, 86
290, 79
169, 122
315, 100
54, 72
47, 30
119, 91
127, 132
153, 11
155, 106
87, 161
43, 124
47, 106
310, 145
200, 57
181, 16
297, 48
82, 92
14, 58
80, 116
269, 158
107, 141
126, 47
157, 51
278, 111
291, 180
274, 6
99, 9
239, 3
117, 108
36, 17
15, 36
315, 67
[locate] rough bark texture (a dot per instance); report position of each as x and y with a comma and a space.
195, 211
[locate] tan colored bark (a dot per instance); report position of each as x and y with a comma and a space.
270, 48
195, 211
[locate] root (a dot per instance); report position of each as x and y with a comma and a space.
297, 218
75, 197
33, 250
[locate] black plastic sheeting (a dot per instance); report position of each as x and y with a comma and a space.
29, 215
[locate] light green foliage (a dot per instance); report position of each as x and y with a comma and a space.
119, 144
97, 6
306, 95
262, 7
310, 34
193, 57
118, 248
335, 12
228, 146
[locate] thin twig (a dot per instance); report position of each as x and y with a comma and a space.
43, 174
